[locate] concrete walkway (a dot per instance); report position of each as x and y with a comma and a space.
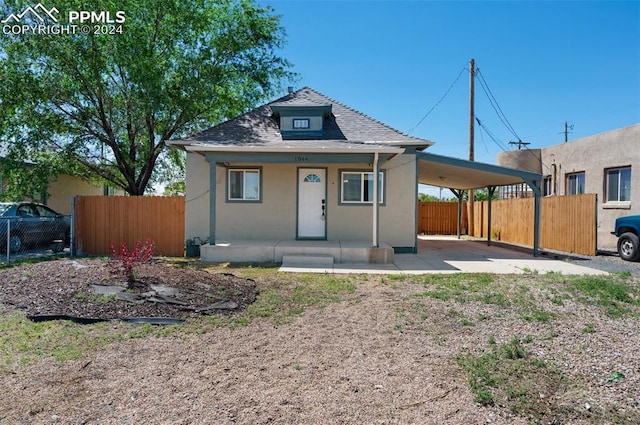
445, 254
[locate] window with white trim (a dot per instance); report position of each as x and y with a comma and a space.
575, 183
243, 184
618, 184
357, 187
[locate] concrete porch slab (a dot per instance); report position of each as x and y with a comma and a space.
451, 255
244, 251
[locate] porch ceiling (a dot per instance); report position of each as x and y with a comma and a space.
454, 173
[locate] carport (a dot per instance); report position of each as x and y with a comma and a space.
460, 175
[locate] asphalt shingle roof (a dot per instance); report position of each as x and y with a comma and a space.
259, 127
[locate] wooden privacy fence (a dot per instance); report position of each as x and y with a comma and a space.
567, 223
440, 218
101, 220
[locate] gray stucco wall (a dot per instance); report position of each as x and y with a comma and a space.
593, 155
275, 217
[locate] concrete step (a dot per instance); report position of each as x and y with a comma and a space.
307, 260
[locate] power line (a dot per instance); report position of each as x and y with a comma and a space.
439, 101
495, 105
504, 149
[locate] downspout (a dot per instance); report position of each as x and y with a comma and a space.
376, 242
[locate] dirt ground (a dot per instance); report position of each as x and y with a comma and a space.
374, 358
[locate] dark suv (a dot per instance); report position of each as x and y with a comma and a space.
627, 231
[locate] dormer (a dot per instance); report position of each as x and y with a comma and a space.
301, 118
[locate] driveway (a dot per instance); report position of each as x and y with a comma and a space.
447, 254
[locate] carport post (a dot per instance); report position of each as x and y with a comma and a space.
490, 190
459, 194
537, 193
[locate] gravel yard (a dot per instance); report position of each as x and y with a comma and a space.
321, 349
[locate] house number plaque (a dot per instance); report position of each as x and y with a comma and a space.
301, 158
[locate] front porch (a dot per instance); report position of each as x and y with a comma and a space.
303, 252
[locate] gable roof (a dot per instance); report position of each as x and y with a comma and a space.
260, 128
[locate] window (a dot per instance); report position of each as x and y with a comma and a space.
300, 123
45, 212
357, 187
575, 183
618, 184
243, 184
312, 178
547, 186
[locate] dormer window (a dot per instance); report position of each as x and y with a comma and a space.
301, 118
301, 123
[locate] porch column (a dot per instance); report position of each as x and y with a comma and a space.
376, 242
212, 202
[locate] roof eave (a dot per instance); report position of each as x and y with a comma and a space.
275, 149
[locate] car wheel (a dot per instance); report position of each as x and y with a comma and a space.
629, 247
60, 243
15, 243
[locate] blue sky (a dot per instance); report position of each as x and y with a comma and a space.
545, 63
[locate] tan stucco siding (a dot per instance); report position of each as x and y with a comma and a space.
271, 219
396, 216
63, 188
275, 217
197, 197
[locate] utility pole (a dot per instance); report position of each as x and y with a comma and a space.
472, 69
520, 144
567, 127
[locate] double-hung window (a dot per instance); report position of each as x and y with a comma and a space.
243, 184
357, 187
618, 184
575, 183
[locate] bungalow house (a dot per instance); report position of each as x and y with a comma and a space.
306, 175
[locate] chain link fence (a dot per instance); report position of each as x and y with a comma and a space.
30, 230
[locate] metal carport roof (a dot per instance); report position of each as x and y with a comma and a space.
459, 174
455, 173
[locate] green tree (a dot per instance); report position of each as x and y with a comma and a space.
108, 103
483, 195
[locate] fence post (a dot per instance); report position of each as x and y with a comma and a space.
72, 230
8, 241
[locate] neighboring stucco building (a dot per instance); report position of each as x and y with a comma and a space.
607, 164
62, 188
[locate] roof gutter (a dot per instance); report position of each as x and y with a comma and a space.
273, 149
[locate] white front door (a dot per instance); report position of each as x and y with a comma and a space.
312, 188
